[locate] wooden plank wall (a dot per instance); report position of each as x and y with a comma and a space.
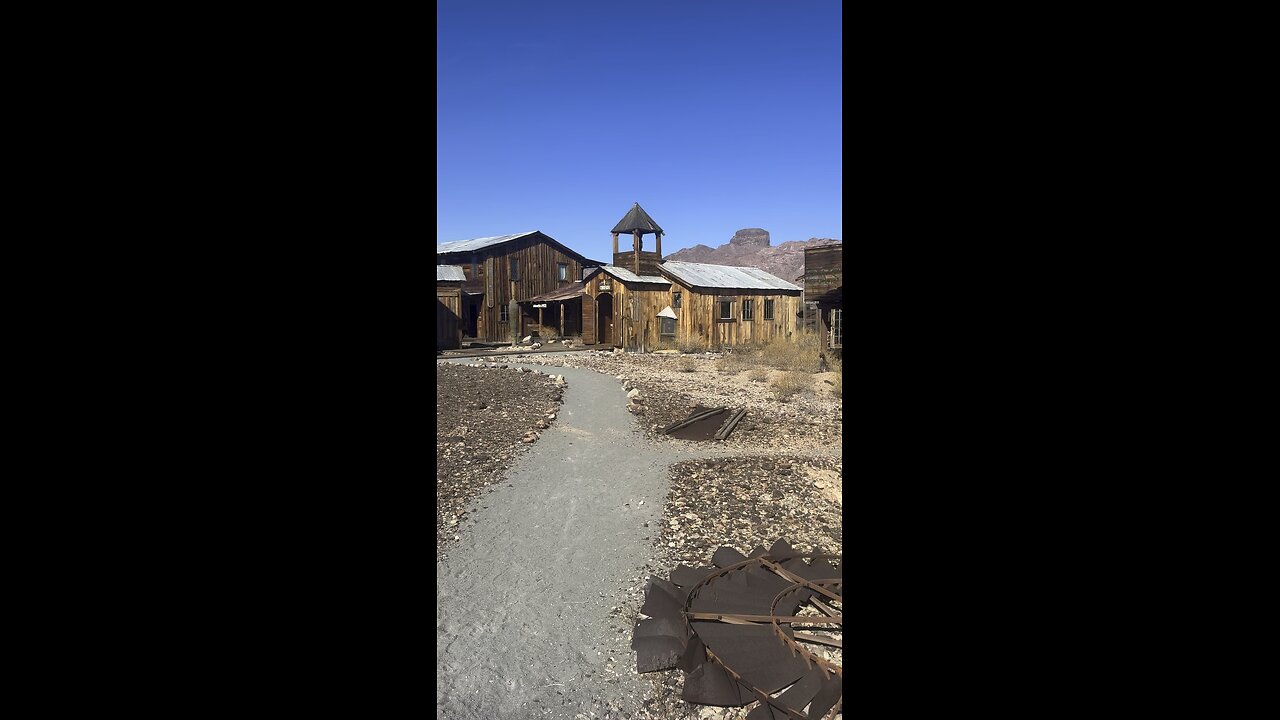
824, 273
698, 324
448, 315
537, 259
649, 261
627, 332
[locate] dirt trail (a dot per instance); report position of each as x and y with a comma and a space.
525, 626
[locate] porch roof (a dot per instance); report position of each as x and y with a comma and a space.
560, 295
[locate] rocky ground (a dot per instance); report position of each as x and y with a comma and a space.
741, 502
780, 475
485, 416
810, 423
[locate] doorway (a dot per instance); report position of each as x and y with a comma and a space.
469, 322
604, 319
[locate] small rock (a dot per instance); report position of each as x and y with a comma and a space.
635, 393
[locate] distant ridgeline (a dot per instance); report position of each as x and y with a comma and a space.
749, 247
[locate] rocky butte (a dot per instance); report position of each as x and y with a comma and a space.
750, 247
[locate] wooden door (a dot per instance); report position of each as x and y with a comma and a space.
588, 320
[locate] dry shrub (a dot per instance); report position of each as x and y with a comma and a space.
836, 365
799, 353
686, 364
731, 364
758, 375
788, 384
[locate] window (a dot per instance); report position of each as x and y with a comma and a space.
837, 331
563, 271
515, 270
503, 315
768, 309
675, 299
748, 312
726, 309
668, 326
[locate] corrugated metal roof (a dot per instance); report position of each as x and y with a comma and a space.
626, 275
481, 243
725, 276
477, 243
449, 272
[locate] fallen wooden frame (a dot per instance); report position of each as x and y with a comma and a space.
730, 424
691, 420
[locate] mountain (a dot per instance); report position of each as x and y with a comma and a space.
749, 247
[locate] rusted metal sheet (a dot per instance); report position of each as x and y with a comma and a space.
729, 628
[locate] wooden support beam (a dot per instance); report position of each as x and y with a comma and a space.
657, 238
823, 639
730, 424
793, 619
691, 420
615, 243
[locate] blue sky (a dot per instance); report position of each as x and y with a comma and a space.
713, 115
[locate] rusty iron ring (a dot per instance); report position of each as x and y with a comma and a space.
767, 562
824, 665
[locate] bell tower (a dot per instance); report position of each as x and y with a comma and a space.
638, 224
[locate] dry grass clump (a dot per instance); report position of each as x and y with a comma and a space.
788, 384
758, 375
836, 365
799, 353
733, 363
686, 364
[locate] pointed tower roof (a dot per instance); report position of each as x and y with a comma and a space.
637, 221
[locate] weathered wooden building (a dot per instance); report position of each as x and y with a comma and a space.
627, 306
638, 302
719, 306
449, 279
512, 267
824, 290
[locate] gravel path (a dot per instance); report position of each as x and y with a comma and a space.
532, 604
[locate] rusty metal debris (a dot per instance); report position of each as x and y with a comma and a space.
705, 424
731, 627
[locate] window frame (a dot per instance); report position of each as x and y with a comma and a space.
725, 305
768, 309
562, 271
515, 268
748, 310
663, 324
504, 313
676, 299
